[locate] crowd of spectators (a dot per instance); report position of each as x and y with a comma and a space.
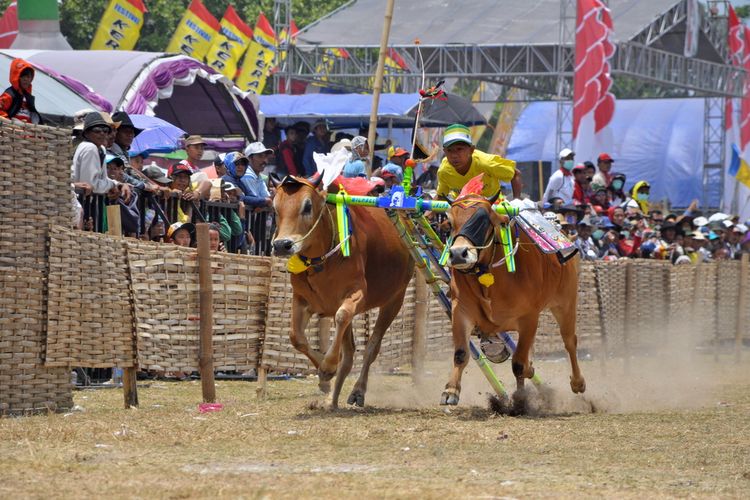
607, 222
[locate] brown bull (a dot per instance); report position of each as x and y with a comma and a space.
514, 301
375, 274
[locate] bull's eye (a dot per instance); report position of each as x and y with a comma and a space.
307, 207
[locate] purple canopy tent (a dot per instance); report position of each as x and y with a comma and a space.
176, 88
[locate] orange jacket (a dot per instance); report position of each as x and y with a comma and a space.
17, 66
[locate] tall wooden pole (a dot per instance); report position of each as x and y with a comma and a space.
378, 84
206, 356
129, 379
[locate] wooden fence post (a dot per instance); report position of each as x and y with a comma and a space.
206, 355
129, 378
741, 306
419, 334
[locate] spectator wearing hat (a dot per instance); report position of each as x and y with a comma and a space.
603, 178
355, 166
244, 171
561, 183
639, 196
17, 102
188, 191
287, 157
600, 201
670, 247
396, 164
319, 142
125, 133
583, 242
581, 186
181, 234
463, 162
88, 159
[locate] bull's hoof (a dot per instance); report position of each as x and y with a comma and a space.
356, 398
324, 386
520, 403
578, 386
449, 398
325, 376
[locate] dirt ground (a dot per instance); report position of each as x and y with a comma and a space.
662, 428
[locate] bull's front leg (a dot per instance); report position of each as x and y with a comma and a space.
344, 316
300, 318
462, 327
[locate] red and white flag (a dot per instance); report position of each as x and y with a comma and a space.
593, 103
736, 197
8, 26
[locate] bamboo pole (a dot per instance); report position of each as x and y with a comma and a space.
206, 356
419, 335
540, 178
741, 307
378, 83
129, 379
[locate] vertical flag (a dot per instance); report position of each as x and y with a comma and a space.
9, 26
593, 104
294, 31
120, 26
230, 44
394, 64
195, 33
325, 66
259, 58
737, 124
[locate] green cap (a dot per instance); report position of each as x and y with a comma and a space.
456, 133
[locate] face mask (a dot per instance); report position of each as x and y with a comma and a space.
641, 196
617, 184
568, 165
598, 234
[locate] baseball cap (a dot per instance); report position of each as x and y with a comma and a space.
456, 133
605, 157
193, 140
180, 225
565, 152
112, 158
387, 175
400, 152
228, 186
580, 166
718, 216
179, 168
156, 174
256, 148
700, 221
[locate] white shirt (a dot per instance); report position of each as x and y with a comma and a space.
559, 186
88, 167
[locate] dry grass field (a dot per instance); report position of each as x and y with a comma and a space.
669, 428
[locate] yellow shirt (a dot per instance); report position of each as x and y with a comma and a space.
495, 169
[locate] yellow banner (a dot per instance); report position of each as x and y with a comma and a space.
255, 69
120, 26
195, 33
229, 45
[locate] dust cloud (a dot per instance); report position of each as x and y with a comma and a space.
675, 376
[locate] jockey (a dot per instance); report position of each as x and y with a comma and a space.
462, 163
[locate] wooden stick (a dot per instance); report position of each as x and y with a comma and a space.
419, 335
378, 83
206, 356
260, 391
741, 307
129, 378
540, 178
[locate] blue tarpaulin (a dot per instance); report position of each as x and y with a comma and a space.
353, 110
657, 140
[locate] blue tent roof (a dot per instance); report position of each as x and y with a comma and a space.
657, 140
353, 110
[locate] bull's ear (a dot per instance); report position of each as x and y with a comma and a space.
492, 199
275, 181
315, 180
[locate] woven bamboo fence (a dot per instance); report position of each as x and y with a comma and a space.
26, 209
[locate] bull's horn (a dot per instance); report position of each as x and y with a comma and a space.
492, 199
315, 182
275, 180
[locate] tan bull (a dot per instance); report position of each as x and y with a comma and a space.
376, 274
514, 301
